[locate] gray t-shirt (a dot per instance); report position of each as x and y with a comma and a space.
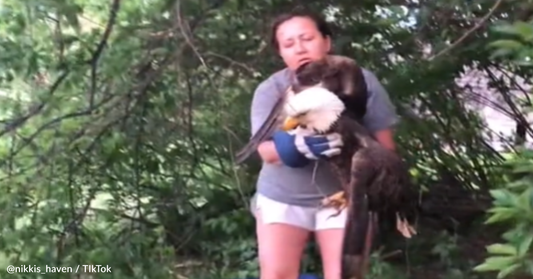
295, 185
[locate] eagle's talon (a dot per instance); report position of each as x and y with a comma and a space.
337, 201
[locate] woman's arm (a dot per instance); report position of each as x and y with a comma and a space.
386, 138
380, 117
268, 152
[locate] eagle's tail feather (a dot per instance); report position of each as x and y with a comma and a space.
404, 227
353, 256
359, 230
369, 240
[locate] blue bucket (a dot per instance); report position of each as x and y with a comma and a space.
302, 276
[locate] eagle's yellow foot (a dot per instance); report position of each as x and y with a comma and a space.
404, 228
337, 200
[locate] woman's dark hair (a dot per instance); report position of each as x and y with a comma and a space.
321, 23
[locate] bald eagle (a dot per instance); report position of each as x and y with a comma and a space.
375, 180
339, 74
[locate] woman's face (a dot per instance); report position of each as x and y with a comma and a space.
300, 41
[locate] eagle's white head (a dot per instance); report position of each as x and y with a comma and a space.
314, 108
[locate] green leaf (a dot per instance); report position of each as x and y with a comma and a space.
524, 201
502, 52
501, 214
505, 249
519, 184
523, 168
496, 263
484, 267
525, 244
505, 29
503, 197
506, 44
524, 30
521, 29
507, 271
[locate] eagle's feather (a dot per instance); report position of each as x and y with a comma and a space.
266, 130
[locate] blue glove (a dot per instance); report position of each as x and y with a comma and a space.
295, 150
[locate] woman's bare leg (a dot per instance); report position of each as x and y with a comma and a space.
282, 233
280, 249
329, 234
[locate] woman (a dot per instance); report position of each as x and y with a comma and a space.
286, 202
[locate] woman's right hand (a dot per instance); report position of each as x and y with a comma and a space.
295, 150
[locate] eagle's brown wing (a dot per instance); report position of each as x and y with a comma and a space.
356, 172
360, 223
379, 184
265, 131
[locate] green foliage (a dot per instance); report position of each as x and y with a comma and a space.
513, 207
513, 203
516, 42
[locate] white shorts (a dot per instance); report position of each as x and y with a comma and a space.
310, 218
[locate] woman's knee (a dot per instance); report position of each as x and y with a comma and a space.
280, 248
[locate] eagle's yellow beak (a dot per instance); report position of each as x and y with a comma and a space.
290, 123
